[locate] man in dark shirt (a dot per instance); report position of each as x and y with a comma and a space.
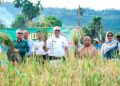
20, 45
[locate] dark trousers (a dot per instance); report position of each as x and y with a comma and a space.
56, 58
41, 58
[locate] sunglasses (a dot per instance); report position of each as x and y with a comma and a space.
109, 35
57, 30
19, 33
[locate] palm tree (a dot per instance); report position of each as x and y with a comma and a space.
79, 13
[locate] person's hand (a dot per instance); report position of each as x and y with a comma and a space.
44, 47
16, 50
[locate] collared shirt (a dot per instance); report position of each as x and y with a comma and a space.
22, 46
38, 48
30, 44
56, 46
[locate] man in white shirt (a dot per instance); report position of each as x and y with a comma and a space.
39, 50
57, 45
30, 42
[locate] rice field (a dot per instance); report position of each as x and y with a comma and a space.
72, 72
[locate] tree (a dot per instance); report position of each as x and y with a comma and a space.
29, 9
79, 13
95, 29
19, 22
96, 25
51, 21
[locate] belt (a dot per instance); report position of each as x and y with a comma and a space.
55, 58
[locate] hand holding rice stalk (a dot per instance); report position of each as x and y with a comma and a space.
77, 35
7, 41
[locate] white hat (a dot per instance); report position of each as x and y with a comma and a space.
56, 28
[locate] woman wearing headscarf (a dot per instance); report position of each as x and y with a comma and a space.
109, 48
87, 50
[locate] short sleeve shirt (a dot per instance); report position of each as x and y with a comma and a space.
56, 46
38, 48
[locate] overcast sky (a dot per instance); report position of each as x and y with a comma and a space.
71, 4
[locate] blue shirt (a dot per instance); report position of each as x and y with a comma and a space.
98, 46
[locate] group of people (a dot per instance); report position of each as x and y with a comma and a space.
56, 47
109, 49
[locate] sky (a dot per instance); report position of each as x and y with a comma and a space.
73, 4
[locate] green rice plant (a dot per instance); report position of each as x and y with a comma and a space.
72, 72
77, 35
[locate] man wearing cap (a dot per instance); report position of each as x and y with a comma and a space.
57, 45
20, 45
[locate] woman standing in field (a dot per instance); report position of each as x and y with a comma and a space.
87, 50
110, 47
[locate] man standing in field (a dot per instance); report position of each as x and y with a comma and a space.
57, 45
30, 42
20, 45
39, 50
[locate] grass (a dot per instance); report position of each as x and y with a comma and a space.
73, 72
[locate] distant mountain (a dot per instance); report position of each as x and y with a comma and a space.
110, 18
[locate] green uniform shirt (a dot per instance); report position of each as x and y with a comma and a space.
22, 46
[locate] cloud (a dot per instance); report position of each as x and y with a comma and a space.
71, 4
5, 16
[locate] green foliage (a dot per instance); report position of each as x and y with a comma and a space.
5, 39
94, 29
77, 35
29, 9
50, 21
19, 22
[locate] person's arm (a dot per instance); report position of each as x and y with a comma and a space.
66, 51
48, 44
102, 49
44, 46
66, 47
94, 53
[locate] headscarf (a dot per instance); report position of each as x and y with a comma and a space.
89, 51
108, 45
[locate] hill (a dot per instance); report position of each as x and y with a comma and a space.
110, 18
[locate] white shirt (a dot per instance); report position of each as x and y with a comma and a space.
56, 46
38, 48
30, 44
